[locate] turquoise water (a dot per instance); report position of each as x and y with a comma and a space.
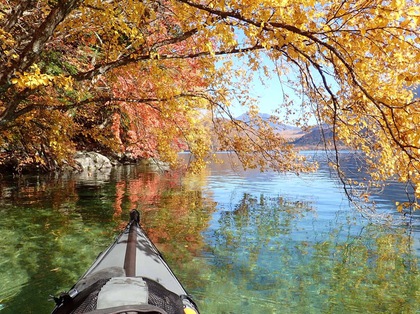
241, 242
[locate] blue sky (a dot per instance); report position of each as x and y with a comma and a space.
269, 95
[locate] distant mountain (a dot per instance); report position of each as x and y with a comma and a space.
312, 138
316, 136
266, 117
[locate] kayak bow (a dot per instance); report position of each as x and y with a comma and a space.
130, 276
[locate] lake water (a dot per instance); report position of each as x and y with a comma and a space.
240, 242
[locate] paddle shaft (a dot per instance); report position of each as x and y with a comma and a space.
130, 252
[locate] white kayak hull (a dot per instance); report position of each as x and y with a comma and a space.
130, 276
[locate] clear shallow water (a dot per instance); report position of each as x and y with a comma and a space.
292, 244
241, 242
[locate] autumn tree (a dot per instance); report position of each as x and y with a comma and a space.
96, 82
353, 64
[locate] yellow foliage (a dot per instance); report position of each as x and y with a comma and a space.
353, 64
32, 79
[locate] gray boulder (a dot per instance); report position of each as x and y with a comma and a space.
92, 161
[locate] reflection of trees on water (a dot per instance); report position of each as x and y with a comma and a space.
37, 191
266, 217
42, 227
54, 227
260, 257
255, 226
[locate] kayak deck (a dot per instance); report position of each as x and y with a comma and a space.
148, 262
130, 276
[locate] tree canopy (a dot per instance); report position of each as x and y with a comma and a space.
149, 78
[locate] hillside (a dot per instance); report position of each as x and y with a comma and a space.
289, 132
310, 139
266, 117
314, 138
